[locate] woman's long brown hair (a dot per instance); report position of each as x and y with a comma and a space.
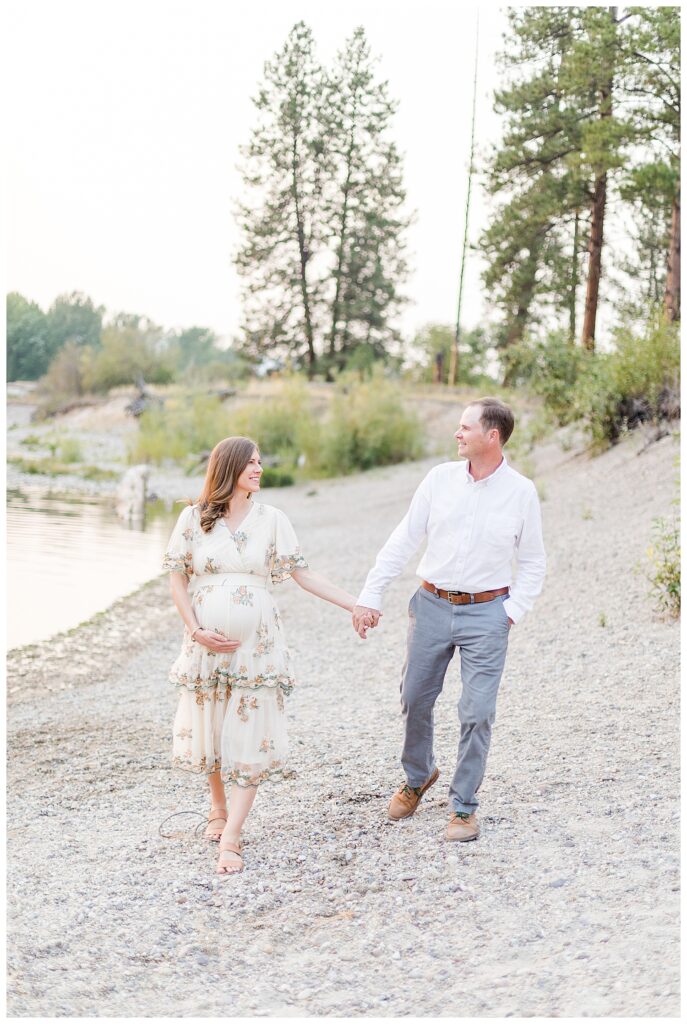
227, 462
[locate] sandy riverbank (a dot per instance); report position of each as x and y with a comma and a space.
568, 905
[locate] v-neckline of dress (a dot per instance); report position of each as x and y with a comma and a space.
233, 533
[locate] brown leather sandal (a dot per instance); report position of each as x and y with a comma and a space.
214, 832
229, 867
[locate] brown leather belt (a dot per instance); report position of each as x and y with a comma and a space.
460, 597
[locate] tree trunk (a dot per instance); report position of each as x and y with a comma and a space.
573, 279
672, 293
336, 307
304, 257
518, 324
596, 241
596, 234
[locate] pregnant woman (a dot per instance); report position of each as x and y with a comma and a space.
234, 669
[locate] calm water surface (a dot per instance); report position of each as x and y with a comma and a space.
69, 558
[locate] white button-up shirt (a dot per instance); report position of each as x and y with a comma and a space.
474, 529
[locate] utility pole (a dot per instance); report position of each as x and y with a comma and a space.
453, 368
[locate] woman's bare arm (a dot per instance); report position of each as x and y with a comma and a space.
321, 587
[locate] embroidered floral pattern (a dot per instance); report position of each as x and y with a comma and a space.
269, 554
242, 777
283, 565
240, 539
265, 643
246, 704
253, 736
200, 766
179, 563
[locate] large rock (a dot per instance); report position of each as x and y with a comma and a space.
131, 494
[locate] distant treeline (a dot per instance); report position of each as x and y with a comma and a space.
81, 349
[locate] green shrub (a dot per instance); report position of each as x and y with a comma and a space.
183, 426
551, 368
637, 383
367, 426
70, 450
64, 376
130, 349
664, 559
282, 426
46, 467
275, 478
96, 473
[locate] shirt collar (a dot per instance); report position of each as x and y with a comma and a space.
496, 473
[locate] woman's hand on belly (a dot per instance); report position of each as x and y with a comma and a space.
216, 641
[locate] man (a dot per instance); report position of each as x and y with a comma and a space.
477, 515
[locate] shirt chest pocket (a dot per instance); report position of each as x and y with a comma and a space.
501, 532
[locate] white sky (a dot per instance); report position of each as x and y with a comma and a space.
124, 130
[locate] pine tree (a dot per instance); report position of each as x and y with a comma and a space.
323, 253
283, 225
653, 185
364, 205
532, 245
563, 137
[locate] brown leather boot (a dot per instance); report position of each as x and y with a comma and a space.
462, 828
405, 800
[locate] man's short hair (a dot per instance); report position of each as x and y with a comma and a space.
495, 414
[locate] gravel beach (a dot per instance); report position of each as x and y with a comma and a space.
568, 905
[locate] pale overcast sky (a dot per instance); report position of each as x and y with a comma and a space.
124, 130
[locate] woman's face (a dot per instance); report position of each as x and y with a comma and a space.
250, 478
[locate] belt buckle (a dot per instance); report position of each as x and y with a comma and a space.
453, 595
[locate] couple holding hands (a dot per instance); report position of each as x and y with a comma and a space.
234, 669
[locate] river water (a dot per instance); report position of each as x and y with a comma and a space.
69, 558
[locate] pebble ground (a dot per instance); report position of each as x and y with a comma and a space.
568, 905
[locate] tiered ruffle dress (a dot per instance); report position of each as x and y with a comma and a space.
231, 711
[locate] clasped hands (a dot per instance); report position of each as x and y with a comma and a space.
364, 619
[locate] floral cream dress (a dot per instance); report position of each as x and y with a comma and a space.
231, 706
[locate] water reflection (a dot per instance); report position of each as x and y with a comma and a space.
69, 558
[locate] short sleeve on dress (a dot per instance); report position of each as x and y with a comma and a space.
179, 554
285, 550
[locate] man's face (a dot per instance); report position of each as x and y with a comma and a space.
472, 440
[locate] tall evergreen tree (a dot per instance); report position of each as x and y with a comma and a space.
533, 243
653, 185
283, 223
323, 250
590, 79
562, 138
364, 204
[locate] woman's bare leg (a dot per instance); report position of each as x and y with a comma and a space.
218, 803
240, 802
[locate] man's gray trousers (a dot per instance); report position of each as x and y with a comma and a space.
436, 629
